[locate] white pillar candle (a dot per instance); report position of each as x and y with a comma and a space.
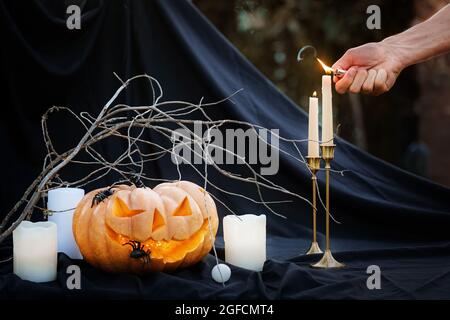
245, 241
35, 251
313, 127
327, 111
62, 202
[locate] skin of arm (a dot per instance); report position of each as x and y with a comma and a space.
374, 67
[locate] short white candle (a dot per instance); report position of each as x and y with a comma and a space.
35, 251
62, 202
313, 127
245, 241
327, 111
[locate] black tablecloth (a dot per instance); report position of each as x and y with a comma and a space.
389, 217
408, 272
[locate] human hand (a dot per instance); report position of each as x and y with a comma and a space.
371, 68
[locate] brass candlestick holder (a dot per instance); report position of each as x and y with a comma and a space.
314, 166
327, 260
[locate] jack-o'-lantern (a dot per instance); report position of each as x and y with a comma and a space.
137, 230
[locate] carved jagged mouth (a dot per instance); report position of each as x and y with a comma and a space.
167, 250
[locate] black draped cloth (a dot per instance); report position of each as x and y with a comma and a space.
388, 217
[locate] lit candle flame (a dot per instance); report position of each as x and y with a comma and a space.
314, 94
327, 69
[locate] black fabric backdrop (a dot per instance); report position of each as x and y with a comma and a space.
389, 217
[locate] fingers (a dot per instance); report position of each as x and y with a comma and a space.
391, 77
359, 80
367, 87
380, 85
371, 81
346, 81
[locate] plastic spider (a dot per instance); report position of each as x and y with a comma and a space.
138, 251
135, 179
102, 195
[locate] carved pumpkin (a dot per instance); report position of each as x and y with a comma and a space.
137, 230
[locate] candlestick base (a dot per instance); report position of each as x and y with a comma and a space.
314, 249
328, 262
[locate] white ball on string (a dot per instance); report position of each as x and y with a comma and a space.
221, 273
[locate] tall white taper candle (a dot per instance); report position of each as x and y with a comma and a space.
313, 127
327, 111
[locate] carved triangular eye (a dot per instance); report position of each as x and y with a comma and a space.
184, 209
120, 209
158, 220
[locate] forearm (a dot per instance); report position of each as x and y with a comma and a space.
423, 41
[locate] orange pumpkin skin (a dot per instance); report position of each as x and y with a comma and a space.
175, 222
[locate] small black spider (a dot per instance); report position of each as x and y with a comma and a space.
136, 180
102, 195
138, 251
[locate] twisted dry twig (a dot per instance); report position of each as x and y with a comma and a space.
129, 123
